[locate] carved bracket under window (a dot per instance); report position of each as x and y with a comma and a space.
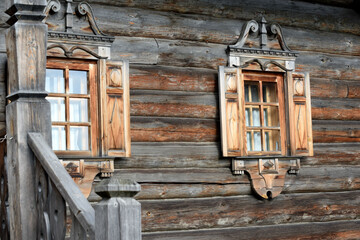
84, 173
267, 175
265, 108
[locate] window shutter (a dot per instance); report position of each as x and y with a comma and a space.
232, 112
300, 114
115, 108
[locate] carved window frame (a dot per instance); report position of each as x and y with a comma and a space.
267, 170
87, 43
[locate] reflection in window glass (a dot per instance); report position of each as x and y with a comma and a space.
78, 82
247, 116
254, 93
257, 141
54, 81
58, 138
249, 141
57, 109
247, 99
79, 138
79, 110
256, 117
271, 116
272, 140
269, 92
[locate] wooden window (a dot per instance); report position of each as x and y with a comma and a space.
253, 113
87, 110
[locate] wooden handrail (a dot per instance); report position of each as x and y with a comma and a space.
68, 189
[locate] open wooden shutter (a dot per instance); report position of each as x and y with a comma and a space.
115, 108
301, 140
232, 112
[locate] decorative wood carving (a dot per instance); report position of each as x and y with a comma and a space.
71, 32
267, 175
254, 51
84, 172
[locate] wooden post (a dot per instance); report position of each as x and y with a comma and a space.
118, 214
28, 111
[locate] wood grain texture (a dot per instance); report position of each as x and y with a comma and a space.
156, 129
171, 183
336, 230
161, 215
183, 53
205, 80
138, 22
170, 129
303, 14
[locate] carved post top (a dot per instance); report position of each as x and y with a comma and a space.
25, 10
117, 187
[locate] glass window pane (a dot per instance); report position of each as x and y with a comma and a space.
271, 116
272, 140
58, 138
257, 141
269, 92
251, 92
79, 138
57, 109
254, 93
78, 83
249, 141
255, 117
54, 82
78, 110
247, 93
247, 116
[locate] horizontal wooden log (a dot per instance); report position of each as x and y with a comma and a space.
172, 78
156, 129
302, 14
335, 109
345, 230
119, 21
323, 88
205, 105
174, 104
334, 154
161, 215
208, 55
210, 182
204, 80
208, 155
325, 131
165, 129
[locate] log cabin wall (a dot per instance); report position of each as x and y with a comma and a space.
174, 49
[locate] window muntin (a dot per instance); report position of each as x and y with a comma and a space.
262, 114
72, 89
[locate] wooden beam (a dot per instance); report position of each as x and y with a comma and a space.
315, 230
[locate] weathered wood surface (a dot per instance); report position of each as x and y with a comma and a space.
208, 155
120, 21
205, 105
166, 129
78, 204
160, 215
336, 230
167, 78
304, 15
183, 53
197, 183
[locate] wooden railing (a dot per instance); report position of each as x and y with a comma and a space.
117, 216
55, 189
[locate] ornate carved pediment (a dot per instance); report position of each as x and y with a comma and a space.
262, 46
72, 26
